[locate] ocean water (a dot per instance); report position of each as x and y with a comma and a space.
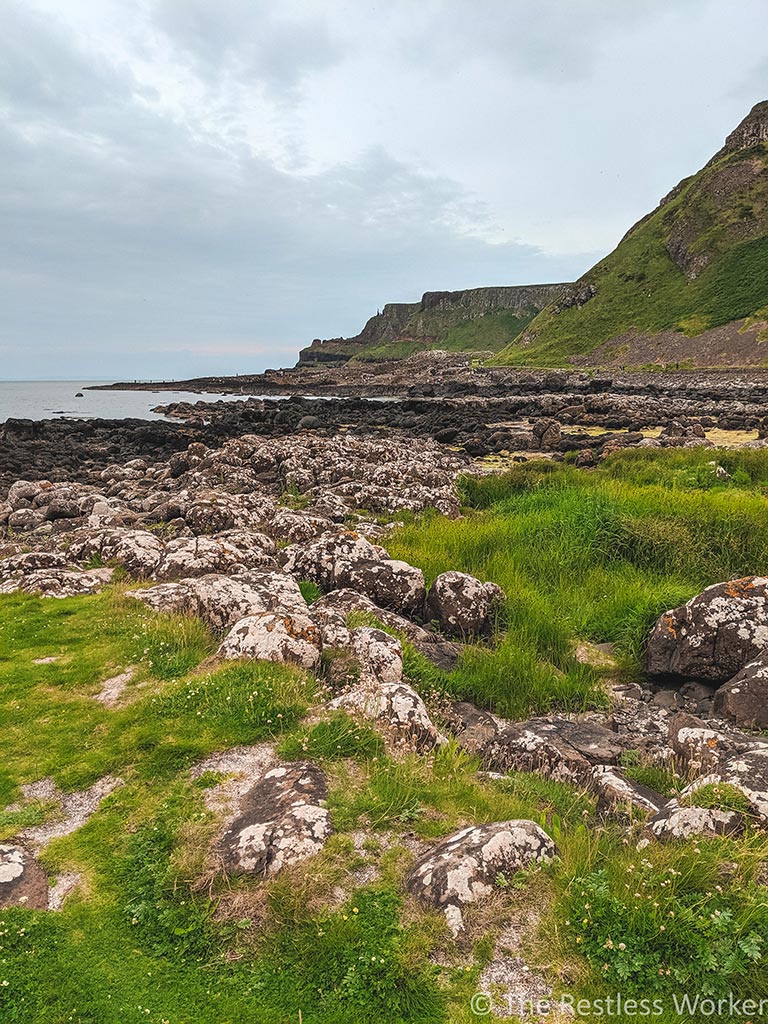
57, 399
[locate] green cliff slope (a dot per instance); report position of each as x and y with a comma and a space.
687, 282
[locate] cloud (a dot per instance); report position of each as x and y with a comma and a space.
187, 186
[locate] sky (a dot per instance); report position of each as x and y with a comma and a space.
193, 187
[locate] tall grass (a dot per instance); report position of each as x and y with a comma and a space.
595, 556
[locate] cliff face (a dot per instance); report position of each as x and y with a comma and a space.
689, 278
477, 319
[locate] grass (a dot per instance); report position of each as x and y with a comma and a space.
155, 933
640, 287
595, 556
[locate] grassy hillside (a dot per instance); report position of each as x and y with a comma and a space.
698, 262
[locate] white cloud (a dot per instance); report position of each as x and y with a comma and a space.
214, 180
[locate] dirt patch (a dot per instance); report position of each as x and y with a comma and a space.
73, 809
112, 689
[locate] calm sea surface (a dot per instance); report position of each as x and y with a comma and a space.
42, 400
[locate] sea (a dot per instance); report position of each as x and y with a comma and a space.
70, 399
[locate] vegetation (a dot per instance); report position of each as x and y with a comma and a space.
721, 216
154, 932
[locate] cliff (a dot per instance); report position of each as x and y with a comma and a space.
476, 319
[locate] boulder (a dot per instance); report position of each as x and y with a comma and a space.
462, 604
58, 582
473, 728
138, 551
297, 527
616, 793
23, 882
271, 637
562, 750
676, 822
398, 707
465, 867
281, 821
349, 560
197, 556
223, 600
743, 700
715, 635
31, 561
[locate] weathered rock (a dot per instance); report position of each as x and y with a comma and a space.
398, 707
222, 600
298, 527
30, 561
271, 637
464, 868
282, 821
23, 882
462, 604
676, 822
473, 728
138, 551
349, 560
714, 635
616, 792
555, 747
58, 582
743, 700
748, 772
198, 556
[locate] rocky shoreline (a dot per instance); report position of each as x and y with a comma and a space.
481, 412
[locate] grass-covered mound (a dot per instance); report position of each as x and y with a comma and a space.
152, 934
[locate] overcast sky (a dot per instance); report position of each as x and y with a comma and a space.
203, 186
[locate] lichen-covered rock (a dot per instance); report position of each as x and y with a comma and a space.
138, 551
462, 604
282, 821
398, 707
714, 635
197, 556
743, 700
616, 792
748, 772
464, 868
58, 582
676, 822
473, 728
379, 654
23, 882
298, 527
31, 561
699, 747
223, 600
272, 637
24, 520
560, 749
348, 560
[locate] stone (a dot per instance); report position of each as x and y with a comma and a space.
59, 582
472, 727
223, 600
676, 822
560, 749
281, 821
616, 792
743, 700
272, 637
23, 882
464, 868
715, 635
398, 707
138, 551
461, 604
349, 560
197, 556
